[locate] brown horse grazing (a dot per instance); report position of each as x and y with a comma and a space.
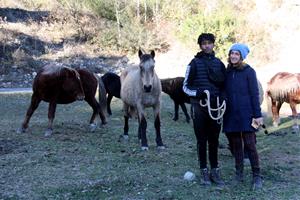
284, 87
112, 85
173, 87
141, 88
58, 84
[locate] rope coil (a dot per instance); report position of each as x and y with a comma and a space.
220, 109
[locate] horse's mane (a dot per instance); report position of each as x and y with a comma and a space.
282, 84
55, 69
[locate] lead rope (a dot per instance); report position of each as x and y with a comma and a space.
220, 109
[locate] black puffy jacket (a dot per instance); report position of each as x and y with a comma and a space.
197, 78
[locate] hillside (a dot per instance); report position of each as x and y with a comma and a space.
39, 32
31, 39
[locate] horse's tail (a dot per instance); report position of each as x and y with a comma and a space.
102, 95
269, 101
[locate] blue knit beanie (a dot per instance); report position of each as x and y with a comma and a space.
242, 48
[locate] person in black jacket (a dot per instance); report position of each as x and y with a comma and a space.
206, 72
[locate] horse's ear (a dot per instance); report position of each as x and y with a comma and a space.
152, 54
140, 53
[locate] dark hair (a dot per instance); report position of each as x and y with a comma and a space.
206, 36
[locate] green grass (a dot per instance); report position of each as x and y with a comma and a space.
77, 164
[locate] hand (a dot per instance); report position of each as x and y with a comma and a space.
200, 94
259, 121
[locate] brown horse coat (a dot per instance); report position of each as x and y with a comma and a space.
173, 87
284, 87
58, 84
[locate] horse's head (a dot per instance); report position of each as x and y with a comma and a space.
147, 64
72, 84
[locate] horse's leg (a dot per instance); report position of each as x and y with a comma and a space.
51, 115
140, 129
143, 129
156, 111
142, 126
275, 112
278, 106
295, 117
96, 107
126, 118
35, 101
176, 106
109, 98
187, 117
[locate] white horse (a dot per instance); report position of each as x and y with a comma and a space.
141, 88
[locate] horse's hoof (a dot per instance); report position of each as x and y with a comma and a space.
175, 119
48, 132
295, 129
144, 148
275, 125
93, 127
21, 130
161, 147
124, 137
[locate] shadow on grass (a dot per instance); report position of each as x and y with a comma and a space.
20, 15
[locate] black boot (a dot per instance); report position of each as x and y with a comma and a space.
257, 182
216, 177
238, 175
204, 178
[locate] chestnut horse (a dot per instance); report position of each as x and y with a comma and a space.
58, 84
284, 87
112, 84
141, 88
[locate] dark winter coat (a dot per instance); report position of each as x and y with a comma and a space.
197, 78
242, 99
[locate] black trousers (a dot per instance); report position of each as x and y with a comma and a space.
206, 131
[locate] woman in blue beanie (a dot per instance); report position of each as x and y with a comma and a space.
243, 114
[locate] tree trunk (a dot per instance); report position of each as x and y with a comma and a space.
145, 5
138, 9
118, 21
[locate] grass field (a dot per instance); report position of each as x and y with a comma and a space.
77, 164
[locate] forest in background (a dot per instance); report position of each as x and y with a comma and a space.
126, 25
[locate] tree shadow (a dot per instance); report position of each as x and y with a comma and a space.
32, 46
20, 15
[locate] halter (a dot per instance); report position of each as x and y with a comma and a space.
220, 109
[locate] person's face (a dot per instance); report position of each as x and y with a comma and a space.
207, 46
235, 57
